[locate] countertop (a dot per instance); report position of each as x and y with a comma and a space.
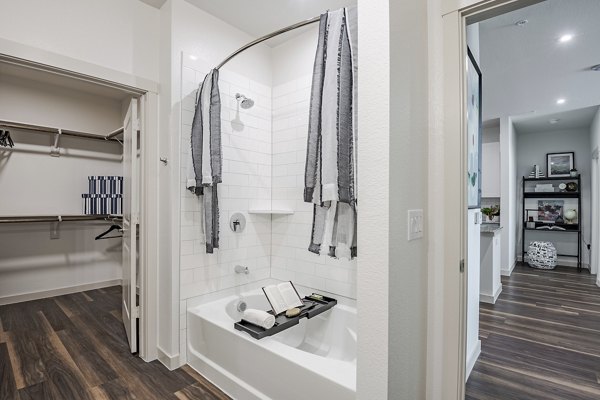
487, 228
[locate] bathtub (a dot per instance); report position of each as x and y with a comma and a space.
315, 359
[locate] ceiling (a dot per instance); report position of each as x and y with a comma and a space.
154, 3
526, 69
567, 120
259, 17
8, 71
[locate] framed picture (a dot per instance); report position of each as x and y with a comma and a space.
550, 210
560, 164
474, 122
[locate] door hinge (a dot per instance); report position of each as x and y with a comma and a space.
136, 125
462, 266
136, 312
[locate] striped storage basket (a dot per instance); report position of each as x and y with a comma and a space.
105, 195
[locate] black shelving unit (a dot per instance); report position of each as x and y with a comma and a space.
569, 228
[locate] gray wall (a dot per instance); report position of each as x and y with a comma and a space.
532, 148
490, 134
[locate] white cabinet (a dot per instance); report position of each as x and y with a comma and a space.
490, 169
490, 284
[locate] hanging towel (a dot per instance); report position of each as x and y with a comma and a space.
330, 174
204, 171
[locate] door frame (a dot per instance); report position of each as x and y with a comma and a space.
147, 93
454, 308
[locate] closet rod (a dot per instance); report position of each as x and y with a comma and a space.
269, 36
63, 132
114, 133
58, 218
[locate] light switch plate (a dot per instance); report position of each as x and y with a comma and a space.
415, 224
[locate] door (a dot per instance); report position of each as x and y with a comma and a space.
130, 223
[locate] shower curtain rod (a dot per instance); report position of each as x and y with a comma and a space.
267, 37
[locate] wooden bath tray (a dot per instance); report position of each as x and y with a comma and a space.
310, 309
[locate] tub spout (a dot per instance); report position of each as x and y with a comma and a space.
240, 269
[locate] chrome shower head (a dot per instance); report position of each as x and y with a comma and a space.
244, 101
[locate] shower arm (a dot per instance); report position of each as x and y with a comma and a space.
267, 37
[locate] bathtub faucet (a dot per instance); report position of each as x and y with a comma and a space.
240, 269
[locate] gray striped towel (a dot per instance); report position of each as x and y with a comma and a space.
206, 155
330, 174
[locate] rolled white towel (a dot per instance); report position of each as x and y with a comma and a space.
259, 317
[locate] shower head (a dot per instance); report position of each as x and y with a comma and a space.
244, 101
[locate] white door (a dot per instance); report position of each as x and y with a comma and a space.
130, 222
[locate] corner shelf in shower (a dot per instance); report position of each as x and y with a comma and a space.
310, 309
273, 212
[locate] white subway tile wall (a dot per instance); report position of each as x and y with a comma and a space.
246, 139
264, 151
290, 259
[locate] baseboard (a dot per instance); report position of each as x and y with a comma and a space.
19, 298
563, 262
472, 359
491, 299
508, 272
171, 362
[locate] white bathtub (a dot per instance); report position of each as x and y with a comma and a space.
315, 359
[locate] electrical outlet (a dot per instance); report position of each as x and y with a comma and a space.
415, 224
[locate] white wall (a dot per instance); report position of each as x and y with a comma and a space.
594, 145
473, 283
392, 178
532, 148
118, 34
595, 131
508, 190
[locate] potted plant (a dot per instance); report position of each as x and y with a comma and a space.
491, 212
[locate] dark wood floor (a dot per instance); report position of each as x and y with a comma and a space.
541, 340
74, 347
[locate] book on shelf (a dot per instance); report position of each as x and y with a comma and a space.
550, 228
282, 297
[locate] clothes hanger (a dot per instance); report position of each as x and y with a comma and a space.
112, 228
5, 139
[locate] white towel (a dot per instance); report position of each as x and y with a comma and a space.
259, 318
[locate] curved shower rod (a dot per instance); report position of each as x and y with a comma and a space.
267, 37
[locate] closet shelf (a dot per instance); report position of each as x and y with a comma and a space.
56, 218
273, 212
110, 137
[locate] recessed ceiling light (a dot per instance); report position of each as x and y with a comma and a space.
521, 23
193, 58
554, 121
566, 38
561, 101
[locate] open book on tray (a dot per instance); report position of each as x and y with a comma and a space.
282, 297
